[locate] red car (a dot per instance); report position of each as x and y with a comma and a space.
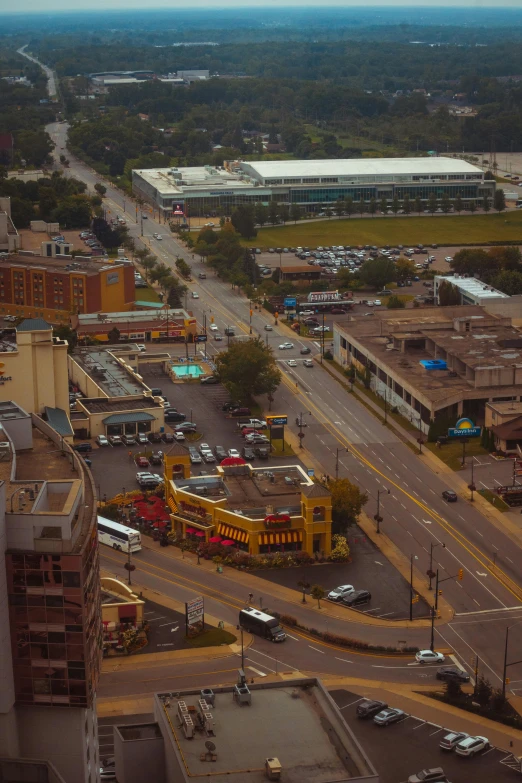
142, 462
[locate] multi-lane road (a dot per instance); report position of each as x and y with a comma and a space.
342, 431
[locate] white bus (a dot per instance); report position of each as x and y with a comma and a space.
118, 536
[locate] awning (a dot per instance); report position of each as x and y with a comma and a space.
233, 532
287, 537
128, 418
171, 504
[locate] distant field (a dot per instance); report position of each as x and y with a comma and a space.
444, 230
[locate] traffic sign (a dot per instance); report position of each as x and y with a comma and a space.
200, 338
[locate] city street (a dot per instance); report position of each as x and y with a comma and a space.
415, 515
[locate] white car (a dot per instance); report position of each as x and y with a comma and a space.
179, 436
210, 224
142, 347
233, 453
286, 346
471, 745
370, 304
292, 363
157, 236
428, 656
195, 295
377, 303
449, 259
101, 440
213, 328
338, 593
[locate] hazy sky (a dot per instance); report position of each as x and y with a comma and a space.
7, 6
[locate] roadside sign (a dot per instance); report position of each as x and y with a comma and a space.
464, 428
194, 615
311, 472
272, 419
200, 338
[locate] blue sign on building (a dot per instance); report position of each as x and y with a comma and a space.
464, 428
290, 301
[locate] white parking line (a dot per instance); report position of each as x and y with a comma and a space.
488, 751
435, 732
163, 625
352, 703
423, 723
261, 674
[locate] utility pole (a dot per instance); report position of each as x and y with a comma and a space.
322, 341
377, 516
411, 585
472, 486
430, 570
432, 640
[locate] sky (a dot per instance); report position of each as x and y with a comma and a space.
21, 6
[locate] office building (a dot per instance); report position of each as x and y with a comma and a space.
435, 363
312, 184
471, 289
290, 730
144, 326
281, 510
54, 288
50, 612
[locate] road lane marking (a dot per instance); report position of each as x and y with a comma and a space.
163, 625
292, 637
316, 649
489, 611
257, 671
345, 661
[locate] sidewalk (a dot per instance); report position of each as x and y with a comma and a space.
406, 698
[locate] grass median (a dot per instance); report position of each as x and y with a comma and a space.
444, 230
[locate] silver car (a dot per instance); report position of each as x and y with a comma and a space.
338, 593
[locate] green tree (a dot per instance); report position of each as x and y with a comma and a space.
418, 204
384, 205
33, 146
176, 293
395, 303
284, 213
63, 332
445, 203
458, 206
248, 369
114, 335
372, 207
377, 272
499, 200
261, 214
472, 206
404, 268
340, 550
182, 267
432, 203
339, 207
317, 592
273, 212
395, 205
347, 503
349, 206
406, 205
448, 294
100, 189
486, 204
243, 221
361, 207
296, 213
509, 282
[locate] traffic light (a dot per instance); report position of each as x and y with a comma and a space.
211, 319
507, 680
251, 313
415, 598
461, 574
440, 592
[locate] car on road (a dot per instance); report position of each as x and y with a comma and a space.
218, 337
234, 453
101, 440
389, 715
308, 363
370, 707
451, 740
141, 347
268, 328
202, 276
292, 363
157, 236
338, 593
220, 453
471, 746
377, 303
115, 440
452, 674
286, 346
213, 328
449, 495
433, 775
142, 462
304, 351
357, 598
306, 313
144, 216
194, 295
83, 447
429, 656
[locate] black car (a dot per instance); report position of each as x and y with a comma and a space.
452, 674
220, 452
174, 416
155, 437
370, 707
305, 350
248, 453
83, 447
168, 437
449, 495
156, 459
357, 598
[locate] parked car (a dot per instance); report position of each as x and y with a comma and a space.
155, 437
471, 746
429, 656
262, 451
186, 426
233, 453
451, 740
370, 707
452, 674
248, 453
208, 379
83, 447
195, 458
115, 440
129, 440
389, 715
357, 598
142, 462
179, 436
240, 412
168, 437
255, 439
338, 593
450, 495
156, 458
142, 439
172, 415
208, 456
220, 453
433, 775
101, 440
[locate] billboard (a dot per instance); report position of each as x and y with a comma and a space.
323, 296
278, 420
290, 301
178, 208
464, 428
195, 615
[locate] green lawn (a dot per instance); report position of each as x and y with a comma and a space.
444, 230
495, 500
451, 453
146, 295
211, 637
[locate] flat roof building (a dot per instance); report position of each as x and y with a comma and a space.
289, 730
435, 363
150, 325
312, 184
471, 289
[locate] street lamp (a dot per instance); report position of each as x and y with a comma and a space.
377, 516
506, 664
412, 558
337, 461
431, 573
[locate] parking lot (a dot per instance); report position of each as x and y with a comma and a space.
404, 748
167, 627
369, 569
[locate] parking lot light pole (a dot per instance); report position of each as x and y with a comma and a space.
412, 558
337, 461
506, 664
432, 640
377, 516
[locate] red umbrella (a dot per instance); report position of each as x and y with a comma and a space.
214, 540
160, 524
229, 542
199, 534
190, 530
233, 461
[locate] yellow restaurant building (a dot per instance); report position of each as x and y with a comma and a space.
260, 509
